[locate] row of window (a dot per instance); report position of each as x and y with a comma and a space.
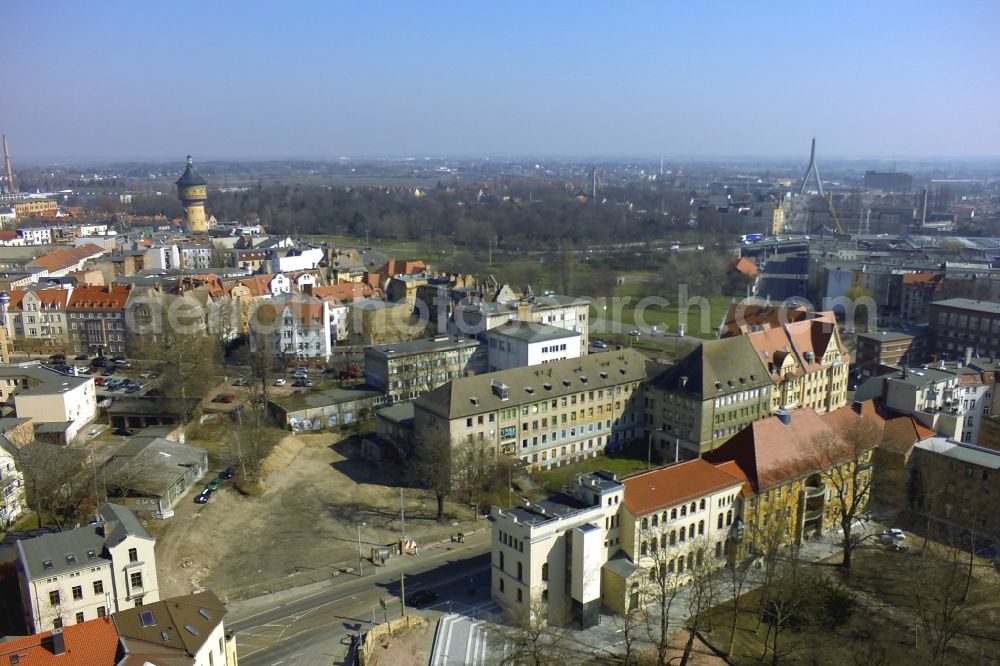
76, 591
102, 611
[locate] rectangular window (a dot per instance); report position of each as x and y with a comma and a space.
98, 587
102, 611
79, 617
78, 592
136, 579
133, 555
54, 597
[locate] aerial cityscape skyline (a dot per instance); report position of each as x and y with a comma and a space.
451, 79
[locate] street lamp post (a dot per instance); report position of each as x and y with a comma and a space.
361, 559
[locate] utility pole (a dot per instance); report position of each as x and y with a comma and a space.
402, 515
361, 559
402, 594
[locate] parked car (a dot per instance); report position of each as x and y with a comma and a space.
201, 498
280, 381
227, 473
598, 344
58, 358
99, 381
224, 397
82, 357
242, 381
299, 373
123, 432
423, 598
118, 359
98, 362
213, 485
132, 388
149, 374
635, 332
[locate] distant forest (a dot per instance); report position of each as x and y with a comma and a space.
511, 215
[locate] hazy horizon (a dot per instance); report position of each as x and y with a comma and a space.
316, 81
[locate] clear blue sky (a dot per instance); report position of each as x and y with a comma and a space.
324, 79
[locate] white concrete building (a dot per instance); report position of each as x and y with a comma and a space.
163, 257
88, 572
546, 556
36, 235
12, 494
196, 255
47, 396
565, 312
304, 261
292, 326
517, 344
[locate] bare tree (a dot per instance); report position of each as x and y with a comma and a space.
534, 637
54, 480
702, 595
662, 566
844, 461
430, 466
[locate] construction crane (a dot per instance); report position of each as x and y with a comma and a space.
833, 213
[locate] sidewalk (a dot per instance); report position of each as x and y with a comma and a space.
345, 574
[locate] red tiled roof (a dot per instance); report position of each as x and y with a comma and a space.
345, 292
62, 259
770, 452
50, 299
90, 643
657, 489
89, 297
743, 265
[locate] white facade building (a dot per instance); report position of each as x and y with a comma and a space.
293, 326
46, 396
88, 572
518, 344
12, 495
36, 235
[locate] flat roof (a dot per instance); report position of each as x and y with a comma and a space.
401, 411
539, 512
49, 381
968, 304
887, 336
439, 343
527, 331
315, 399
968, 453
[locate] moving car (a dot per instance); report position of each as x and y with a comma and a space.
423, 598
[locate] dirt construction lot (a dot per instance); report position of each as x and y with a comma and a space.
303, 527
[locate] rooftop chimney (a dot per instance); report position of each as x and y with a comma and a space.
784, 416
58, 642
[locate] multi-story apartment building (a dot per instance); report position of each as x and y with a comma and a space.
12, 491
911, 293
956, 485
958, 323
889, 348
406, 370
952, 398
36, 207
517, 344
293, 326
794, 465
678, 518
36, 320
96, 318
724, 385
87, 572
547, 416
565, 312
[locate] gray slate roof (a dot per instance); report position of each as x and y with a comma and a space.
721, 361
974, 455
532, 332
81, 547
467, 396
969, 304
152, 465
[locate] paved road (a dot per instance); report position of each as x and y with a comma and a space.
314, 627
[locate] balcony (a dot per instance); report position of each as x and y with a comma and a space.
812, 514
814, 491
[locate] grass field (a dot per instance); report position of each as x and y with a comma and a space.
633, 459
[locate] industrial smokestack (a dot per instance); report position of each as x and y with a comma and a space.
7, 166
593, 184
923, 211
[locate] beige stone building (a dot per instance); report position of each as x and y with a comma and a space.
724, 385
546, 416
46, 396
89, 572
36, 320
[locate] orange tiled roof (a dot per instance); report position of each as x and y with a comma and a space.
90, 643
345, 292
743, 265
89, 297
657, 489
8, 235
62, 259
50, 299
770, 452
741, 317
309, 311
